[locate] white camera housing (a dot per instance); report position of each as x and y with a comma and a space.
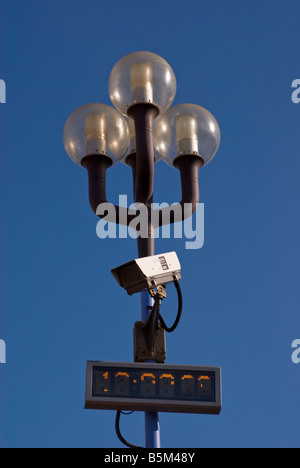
148, 272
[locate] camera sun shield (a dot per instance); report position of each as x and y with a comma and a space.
148, 272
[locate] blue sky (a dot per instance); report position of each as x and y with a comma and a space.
60, 306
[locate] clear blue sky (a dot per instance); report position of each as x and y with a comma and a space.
60, 306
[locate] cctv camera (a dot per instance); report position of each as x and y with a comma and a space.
148, 273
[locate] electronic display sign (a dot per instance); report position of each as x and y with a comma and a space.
153, 387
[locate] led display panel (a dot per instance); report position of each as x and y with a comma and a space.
153, 387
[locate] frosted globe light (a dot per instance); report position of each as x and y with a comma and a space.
139, 78
187, 129
96, 129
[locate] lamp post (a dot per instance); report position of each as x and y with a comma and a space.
142, 87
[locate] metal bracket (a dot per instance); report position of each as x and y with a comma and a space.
141, 350
160, 290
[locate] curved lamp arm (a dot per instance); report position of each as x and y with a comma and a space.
142, 168
188, 166
97, 166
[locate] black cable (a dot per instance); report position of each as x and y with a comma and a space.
121, 438
179, 313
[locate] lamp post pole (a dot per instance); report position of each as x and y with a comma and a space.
152, 425
143, 174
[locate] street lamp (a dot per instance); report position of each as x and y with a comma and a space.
142, 88
187, 130
96, 129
